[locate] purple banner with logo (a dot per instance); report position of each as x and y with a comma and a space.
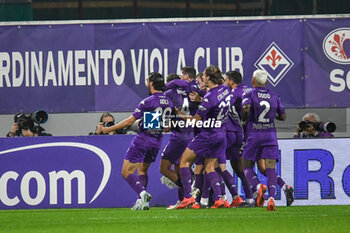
71, 172
327, 62
102, 66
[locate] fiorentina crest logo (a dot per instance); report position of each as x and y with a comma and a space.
275, 63
336, 46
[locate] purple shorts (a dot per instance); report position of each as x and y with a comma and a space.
209, 147
234, 145
200, 160
222, 159
174, 149
140, 154
254, 150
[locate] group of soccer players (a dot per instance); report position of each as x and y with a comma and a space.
232, 106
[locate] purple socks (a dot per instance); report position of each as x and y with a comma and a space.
186, 179
229, 181
134, 183
246, 185
198, 183
271, 181
143, 180
206, 186
215, 184
222, 182
280, 181
251, 176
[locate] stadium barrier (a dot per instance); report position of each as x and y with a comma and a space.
84, 172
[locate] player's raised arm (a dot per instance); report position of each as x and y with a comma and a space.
124, 123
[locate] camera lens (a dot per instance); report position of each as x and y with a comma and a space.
328, 127
40, 116
108, 124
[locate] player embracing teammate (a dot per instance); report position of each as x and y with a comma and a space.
210, 143
146, 144
221, 139
260, 107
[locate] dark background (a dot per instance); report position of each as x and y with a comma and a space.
19, 10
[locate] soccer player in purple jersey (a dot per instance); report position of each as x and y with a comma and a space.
226, 179
188, 73
239, 90
233, 80
145, 145
210, 143
260, 107
187, 84
179, 138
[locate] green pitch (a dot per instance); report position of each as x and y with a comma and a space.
286, 219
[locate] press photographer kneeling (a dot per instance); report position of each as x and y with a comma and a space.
28, 125
312, 127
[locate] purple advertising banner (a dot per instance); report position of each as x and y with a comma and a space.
100, 66
327, 62
85, 172
71, 172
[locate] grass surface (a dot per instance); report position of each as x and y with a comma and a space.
286, 219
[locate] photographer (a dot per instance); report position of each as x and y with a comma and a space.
107, 120
312, 127
24, 125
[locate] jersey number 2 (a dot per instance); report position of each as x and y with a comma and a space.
266, 110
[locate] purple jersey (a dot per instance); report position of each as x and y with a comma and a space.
264, 105
235, 110
194, 87
214, 106
233, 122
178, 83
180, 99
188, 86
211, 141
157, 102
238, 93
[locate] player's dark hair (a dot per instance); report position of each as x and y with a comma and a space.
172, 77
234, 76
214, 74
157, 80
190, 71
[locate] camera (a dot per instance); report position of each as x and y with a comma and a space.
28, 120
329, 127
108, 124
24, 121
